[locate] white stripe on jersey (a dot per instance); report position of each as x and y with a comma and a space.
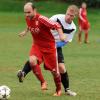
49, 23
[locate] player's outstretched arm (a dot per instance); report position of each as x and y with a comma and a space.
23, 33
61, 34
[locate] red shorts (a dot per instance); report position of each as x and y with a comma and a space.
84, 25
49, 57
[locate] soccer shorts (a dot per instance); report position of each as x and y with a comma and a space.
60, 55
85, 25
61, 44
49, 57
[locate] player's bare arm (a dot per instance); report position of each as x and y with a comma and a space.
23, 33
61, 35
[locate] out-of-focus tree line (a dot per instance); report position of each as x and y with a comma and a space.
90, 3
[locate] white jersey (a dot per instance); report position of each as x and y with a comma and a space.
68, 29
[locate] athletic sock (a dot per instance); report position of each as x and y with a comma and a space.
57, 80
27, 68
37, 71
65, 80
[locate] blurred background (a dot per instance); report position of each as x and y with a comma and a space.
17, 5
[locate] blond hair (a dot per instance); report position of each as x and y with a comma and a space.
74, 9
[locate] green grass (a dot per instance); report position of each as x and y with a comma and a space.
82, 61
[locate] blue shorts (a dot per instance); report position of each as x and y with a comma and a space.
61, 44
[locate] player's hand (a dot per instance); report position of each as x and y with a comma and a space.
22, 34
62, 37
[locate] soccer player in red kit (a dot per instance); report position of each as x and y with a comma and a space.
83, 23
43, 48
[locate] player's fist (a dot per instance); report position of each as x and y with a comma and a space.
62, 37
22, 34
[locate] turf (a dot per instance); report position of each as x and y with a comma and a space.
82, 60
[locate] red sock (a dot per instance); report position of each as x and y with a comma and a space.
57, 80
37, 71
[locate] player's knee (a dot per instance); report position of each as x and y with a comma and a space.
33, 60
62, 68
55, 73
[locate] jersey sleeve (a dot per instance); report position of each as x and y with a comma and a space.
49, 23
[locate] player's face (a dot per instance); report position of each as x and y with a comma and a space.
69, 16
29, 12
84, 5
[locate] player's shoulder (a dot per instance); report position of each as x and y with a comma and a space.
59, 15
40, 16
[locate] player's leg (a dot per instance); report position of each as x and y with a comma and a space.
64, 76
86, 36
22, 73
86, 27
80, 35
63, 73
32, 64
51, 64
62, 69
57, 80
37, 72
65, 80
27, 68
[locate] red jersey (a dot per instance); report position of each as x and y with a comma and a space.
40, 27
83, 21
82, 14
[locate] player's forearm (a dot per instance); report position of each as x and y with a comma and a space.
24, 32
61, 34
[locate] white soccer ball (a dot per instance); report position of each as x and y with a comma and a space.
4, 92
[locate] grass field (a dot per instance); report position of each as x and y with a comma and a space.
82, 61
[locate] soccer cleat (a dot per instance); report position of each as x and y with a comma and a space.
57, 93
20, 75
70, 93
44, 86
